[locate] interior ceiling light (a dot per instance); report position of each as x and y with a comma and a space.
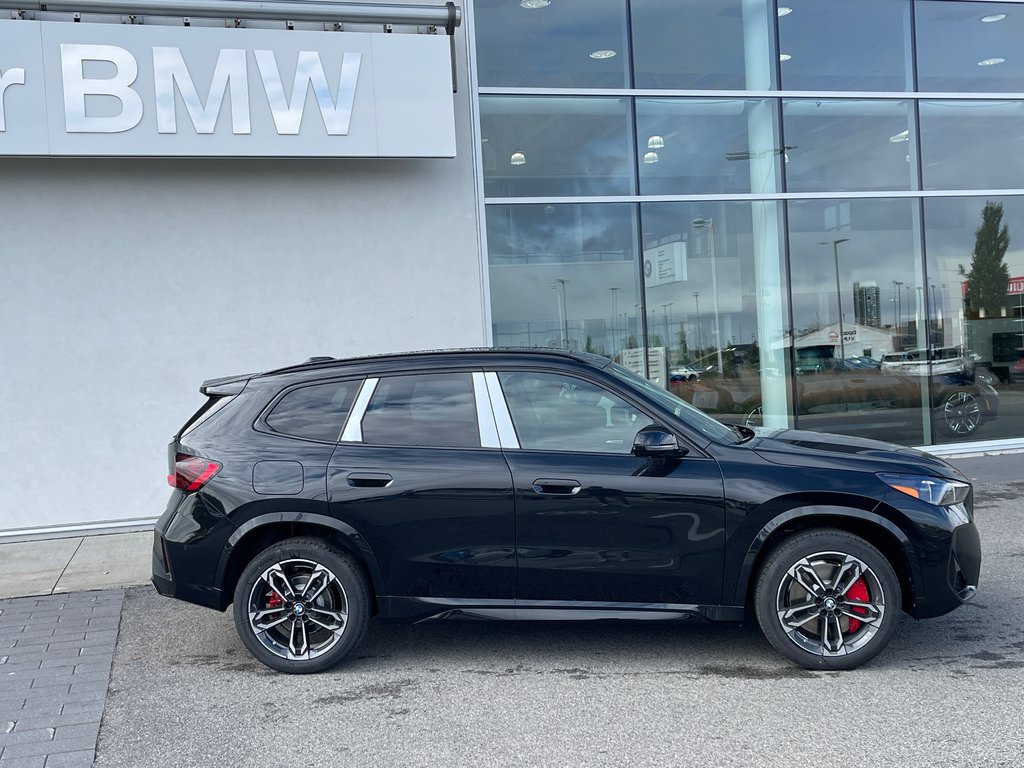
603, 54
900, 137
990, 62
655, 142
784, 57
785, 10
534, 3
993, 17
651, 157
518, 158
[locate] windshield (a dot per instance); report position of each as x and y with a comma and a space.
691, 416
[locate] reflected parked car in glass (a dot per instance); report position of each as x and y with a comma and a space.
852, 396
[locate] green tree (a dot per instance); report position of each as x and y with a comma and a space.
989, 277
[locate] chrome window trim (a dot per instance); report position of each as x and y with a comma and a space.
499, 409
486, 423
353, 431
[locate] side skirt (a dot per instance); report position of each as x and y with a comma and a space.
415, 609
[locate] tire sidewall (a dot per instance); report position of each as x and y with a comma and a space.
805, 543
347, 572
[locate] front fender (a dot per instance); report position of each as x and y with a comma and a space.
818, 514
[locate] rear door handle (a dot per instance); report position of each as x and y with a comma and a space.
369, 479
556, 487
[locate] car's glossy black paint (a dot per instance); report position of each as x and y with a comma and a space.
463, 529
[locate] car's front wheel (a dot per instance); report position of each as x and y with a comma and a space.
827, 599
301, 606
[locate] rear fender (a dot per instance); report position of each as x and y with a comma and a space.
359, 544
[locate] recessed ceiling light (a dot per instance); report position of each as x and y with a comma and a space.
784, 57
518, 158
785, 10
655, 142
651, 157
993, 17
900, 137
534, 3
603, 54
991, 62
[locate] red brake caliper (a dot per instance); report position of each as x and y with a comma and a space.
858, 591
274, 600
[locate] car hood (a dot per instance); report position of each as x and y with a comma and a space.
801, 448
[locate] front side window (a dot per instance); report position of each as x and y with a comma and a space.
316, 413
553, 412
429, 410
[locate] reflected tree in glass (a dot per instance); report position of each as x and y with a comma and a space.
989, 277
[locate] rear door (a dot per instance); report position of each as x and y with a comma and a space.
594, 522
420, 474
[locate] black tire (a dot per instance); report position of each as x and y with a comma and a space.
820, 632
323, 590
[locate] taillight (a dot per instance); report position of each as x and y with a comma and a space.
191, 472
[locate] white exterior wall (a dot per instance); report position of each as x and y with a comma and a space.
125, 283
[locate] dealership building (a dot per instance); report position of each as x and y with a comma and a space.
792, 213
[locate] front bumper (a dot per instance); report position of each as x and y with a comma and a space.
952, 580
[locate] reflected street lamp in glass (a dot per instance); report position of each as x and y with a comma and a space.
699, 339
615, 318
665, 308
839, 293
559, 290
710, 224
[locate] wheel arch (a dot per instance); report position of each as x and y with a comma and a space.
262, 531
878, 531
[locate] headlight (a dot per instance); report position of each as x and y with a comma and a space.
934, 490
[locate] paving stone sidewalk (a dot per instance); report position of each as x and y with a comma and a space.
55, 657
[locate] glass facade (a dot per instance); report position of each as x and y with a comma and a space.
792, 213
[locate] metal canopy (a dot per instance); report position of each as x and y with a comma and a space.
446, 16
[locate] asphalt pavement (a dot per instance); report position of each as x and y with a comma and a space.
947, 691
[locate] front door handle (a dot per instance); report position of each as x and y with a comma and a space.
556, 487
369, 479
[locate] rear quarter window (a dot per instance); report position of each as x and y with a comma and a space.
316, 412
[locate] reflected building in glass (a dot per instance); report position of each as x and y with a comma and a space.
792, 214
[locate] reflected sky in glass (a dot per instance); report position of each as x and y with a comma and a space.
551, 46
848, 145
548, 145
707, 146
697, 44
845, 45
970, 47
973, 144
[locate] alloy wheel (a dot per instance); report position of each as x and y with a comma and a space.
830, 604
962, 413
298, 609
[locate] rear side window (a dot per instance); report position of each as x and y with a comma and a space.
432, 410
316, 413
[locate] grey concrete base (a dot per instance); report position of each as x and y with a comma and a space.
52, 566
55, 657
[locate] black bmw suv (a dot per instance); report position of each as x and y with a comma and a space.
542, 484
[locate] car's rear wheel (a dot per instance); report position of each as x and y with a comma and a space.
827, 599
301, 606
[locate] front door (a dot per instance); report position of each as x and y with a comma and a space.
594, 522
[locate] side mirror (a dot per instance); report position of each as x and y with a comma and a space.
657, 442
